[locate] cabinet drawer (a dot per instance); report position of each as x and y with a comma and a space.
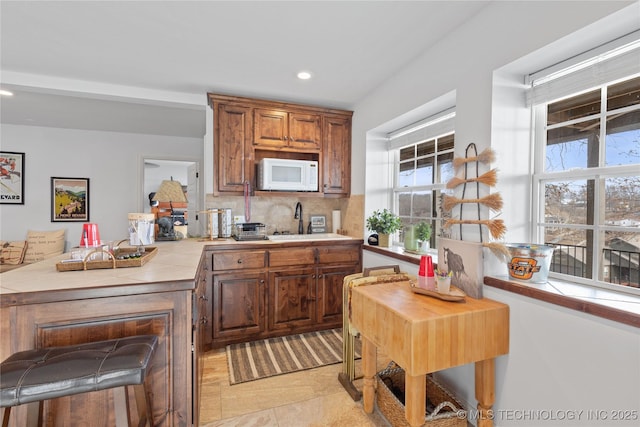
235, 260
344, 255
292, 256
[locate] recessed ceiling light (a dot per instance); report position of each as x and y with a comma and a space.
304, 75
5, 92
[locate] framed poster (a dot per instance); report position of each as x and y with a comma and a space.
465, 261
69, 199
11, 178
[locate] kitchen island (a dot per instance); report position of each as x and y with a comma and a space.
42, 307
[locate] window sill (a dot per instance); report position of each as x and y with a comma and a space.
615, 306
398, 252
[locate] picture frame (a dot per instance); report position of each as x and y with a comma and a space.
465, 261
318, 223
69, 199
11, 178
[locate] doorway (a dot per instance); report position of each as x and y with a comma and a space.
186, 173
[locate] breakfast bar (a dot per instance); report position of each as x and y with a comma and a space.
41, 307
424, 335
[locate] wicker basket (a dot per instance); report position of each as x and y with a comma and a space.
443, 410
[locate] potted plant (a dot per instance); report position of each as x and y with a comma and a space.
423, 235
384, 222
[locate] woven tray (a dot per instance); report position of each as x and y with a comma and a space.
112, 262
443, 410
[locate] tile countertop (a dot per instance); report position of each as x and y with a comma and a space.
175, 261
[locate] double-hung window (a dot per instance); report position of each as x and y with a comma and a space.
423, 163
587, 180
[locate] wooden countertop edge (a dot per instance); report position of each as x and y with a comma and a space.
58, 295
600, 310
270, 244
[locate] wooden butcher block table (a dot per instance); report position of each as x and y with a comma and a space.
423, 335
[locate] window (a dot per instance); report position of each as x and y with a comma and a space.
421, 170
588, 183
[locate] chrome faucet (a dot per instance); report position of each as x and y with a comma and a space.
298, 216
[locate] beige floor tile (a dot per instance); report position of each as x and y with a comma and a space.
308, 398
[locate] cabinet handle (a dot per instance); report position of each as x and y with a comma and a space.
239, 261
204, 321
204, 298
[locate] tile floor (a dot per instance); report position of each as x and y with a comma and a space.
310, 398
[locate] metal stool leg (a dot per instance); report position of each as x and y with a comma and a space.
121, 407
143, 404
5, 416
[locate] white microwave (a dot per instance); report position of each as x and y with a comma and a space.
287, 175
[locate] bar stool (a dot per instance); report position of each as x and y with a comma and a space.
48, 373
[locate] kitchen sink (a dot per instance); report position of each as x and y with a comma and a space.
307, 237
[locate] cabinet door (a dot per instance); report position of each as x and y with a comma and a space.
304, 131
292, 299
238, 305
270, 128
336, 155
330, 283
233, 158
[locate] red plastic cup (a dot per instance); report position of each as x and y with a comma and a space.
90, 235
430, 272
426, 266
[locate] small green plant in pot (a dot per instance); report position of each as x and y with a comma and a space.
423, 235
384, 222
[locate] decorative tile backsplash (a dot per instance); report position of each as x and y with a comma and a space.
277, 213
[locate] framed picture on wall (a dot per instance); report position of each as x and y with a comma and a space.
11, 178
69, 199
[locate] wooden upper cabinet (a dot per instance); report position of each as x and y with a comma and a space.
232, 147
305, 131
247, 130
336, 155
282, 129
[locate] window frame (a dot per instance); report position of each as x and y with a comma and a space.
597, 174
437, 187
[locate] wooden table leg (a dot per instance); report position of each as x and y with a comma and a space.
369, 364
485, 391
415, 399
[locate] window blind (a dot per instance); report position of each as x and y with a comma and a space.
423, 130
607, 63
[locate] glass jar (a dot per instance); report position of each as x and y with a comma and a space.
410, 240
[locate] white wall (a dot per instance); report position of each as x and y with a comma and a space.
560, 360
111, 160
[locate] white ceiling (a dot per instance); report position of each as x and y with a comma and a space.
146, 66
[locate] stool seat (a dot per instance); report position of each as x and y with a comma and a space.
48, 373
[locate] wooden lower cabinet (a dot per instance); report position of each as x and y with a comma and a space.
292, 299
297, 289
330, 280
238, 304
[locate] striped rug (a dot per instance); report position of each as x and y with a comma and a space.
276, 356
